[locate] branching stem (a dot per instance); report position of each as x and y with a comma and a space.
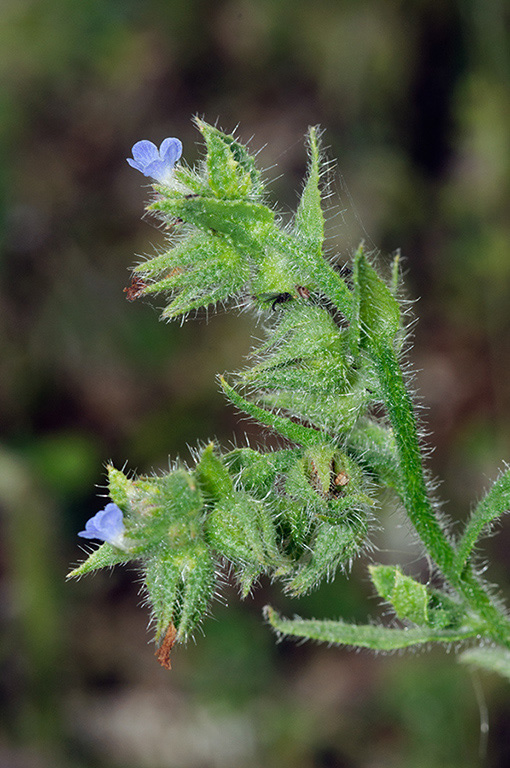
416, 498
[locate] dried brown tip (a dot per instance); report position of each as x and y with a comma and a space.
163, 652
135, 290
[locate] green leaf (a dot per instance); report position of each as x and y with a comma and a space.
408, 597
443, 611
376, 318
232, 170
309, 220
247, 223
415, 602
104, 556
492, 659
297, 433
364, 635
212, 475
495, 504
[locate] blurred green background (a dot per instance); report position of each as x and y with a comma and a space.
415, 99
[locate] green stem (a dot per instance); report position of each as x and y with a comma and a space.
417, 502
400, 412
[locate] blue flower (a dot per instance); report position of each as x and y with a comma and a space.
154, 162
107, 525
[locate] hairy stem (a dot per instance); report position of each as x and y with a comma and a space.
418, 505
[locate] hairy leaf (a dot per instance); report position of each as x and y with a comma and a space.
494, 504
364, 635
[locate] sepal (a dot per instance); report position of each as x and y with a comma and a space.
232, 172
104, 556
309, 220
213, 476
293, 431
241, 529
333, 546
201, 270
375, 447
307, 369
326, 482
247, 223
180, 584
376, 317
257, 472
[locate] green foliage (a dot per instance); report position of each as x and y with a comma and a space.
413, 601
103, 557
373, 636
309, 221
328, 380
306, 368
377, 314
495, 504
490, 659
408, 597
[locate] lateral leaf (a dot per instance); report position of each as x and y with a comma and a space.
494, 504
408, 597
364, 635
491, 659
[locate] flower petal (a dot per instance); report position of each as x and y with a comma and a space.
139, 166
145, 152
158, 170
171, 150
106, 525
154, 162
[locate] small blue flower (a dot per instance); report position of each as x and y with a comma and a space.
154, 162
107, 525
